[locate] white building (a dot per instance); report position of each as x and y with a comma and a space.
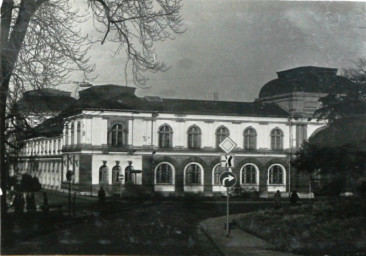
172, 144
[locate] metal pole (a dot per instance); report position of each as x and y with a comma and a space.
74, 205
121, 188
227, 213
70, 198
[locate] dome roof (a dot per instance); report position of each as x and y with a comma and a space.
306, 79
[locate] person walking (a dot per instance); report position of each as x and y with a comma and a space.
45, 206
101, 195
277, 200
294, 198
19, 204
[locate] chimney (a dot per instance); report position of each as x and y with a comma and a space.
216, 96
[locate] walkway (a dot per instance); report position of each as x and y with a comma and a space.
239, 242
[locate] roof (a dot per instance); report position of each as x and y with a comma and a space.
49, 128
47, 92
306, 79
45, 101
113, 97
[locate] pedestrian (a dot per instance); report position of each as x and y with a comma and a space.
33, 206
45, 206
277, 200
28, 202
19, 203
294, 198
101, 195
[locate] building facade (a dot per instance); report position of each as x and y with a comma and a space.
170, 146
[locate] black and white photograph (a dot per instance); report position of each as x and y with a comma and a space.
183, 127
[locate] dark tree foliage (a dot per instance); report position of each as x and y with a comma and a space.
340, 167
336, 105
29, 183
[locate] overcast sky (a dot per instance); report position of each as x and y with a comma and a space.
234, 47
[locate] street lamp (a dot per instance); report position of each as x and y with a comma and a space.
69, 176
121, 177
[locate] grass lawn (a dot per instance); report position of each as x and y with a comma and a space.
334, 226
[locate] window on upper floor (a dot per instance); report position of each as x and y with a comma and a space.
66, 134
221, 133
250, 139
276, 139
72, 132
194, 137
118, 135
78, 133
165, 136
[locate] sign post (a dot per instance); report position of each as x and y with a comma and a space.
228, 180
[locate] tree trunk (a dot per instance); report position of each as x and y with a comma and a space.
10, 45
6, 12
4, 170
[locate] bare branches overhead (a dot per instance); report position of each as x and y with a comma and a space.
41, 43
136, 25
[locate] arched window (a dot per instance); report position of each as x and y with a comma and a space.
221, 133
276, 174
194, 137
250, 139
103, 173
249, 174
66, 135
165, 136
216, 172
72, 134
276, 139
164, 174
78, 133
116, 171
193, 174
118, 135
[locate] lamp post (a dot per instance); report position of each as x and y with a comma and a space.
69, 176
121, 177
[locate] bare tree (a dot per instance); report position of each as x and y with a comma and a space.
357, 73
41, 43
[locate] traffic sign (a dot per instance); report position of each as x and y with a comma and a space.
227, 145
121, 177
227, 161
227, 179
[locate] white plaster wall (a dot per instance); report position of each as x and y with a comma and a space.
218, 188
274, 188
96, 128
193, 188
99, 131
164, 188
88, 130
141, 132
312, 128
77, 166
